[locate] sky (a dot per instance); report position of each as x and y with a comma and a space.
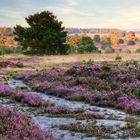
122, 14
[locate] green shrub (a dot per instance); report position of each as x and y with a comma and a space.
18, 49
72, 49
85, 45
125, 90
126, 63
106, 44
94, 122
136, 91
120, 41
88, 62
84, 49
6, 49
138, 50
118, 58
63, 50
135, 62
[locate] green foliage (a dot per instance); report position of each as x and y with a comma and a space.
120, 41
97, 38
18, 49
118, 58
86, 44
71, 49
65, 49
5, 78
136, 91
45, 34
126, 63
6, 49
106, 44
84, 49
88, 62
125, 90
138, 128
94, 122
138, 50
135, 62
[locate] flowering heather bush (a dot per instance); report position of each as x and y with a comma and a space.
2, 88
34, 78
28, 98
45, 86
101, 84
57, 110
60, 110
76, 96
94, 97
33, 100
85, 70
15, 125
128, 103
3, 72
4, 64
61, 91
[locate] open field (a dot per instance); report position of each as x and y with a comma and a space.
70, 59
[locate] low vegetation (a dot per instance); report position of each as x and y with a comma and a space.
104, 84
112, 85
17, 125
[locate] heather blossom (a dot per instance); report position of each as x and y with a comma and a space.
24, 97
3, 72
103, 84
2, 87
56, 110
128, 103
33, 100
16, 125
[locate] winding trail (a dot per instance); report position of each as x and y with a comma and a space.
72, 104
46, 122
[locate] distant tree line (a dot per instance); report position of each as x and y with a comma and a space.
46, 35
105, 42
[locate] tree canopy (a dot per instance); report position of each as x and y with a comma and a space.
45, 34
86, 44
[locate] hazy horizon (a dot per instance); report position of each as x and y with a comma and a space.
75, 13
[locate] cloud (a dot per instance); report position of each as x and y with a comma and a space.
10, 14
75, 13
73, 2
